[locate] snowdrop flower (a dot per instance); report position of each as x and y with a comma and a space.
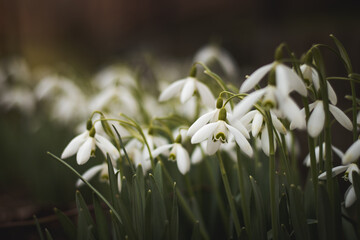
103, 176
84, 146
198, 154
211, 116
212, 52
186, 88
20, 98
350, 196
276, 97
114, 75
317, 118
352, 154
178, 153
337, 151
218, 132
312, 76
254, 120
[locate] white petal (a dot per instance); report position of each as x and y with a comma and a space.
119, 181
350, 196
161, 150
206, 96
212, 147
338, 152
352, 154
200, 122
239, 126
107, 147
188, 89
265, 144
74, 145
335, 171
282, 79
293, 81
291, 111
247, 118
303, 116
331, 94
341, 117
204, 132
197, 155
246, 104
255, 78
316, 120
84, 152
278, 124
257, 124
241, 140
171, 90
89, 174
182, 159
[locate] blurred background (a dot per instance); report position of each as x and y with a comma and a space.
78, 38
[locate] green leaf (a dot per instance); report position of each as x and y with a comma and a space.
84, 218
196, 231
158, 176
125, 152
159, 216
48, 235
101, 222
258, 226
66, 223
344, 55
38, 228
148, 211
319, 62
325, 228
118, 231
356, 185
297, 213
139, 202
174, 224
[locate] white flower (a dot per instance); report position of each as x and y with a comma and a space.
311, 74
275, 98
104, 175
307, 161
317, 118
187, 87
286, 79
350, 196
84, 146
352, 154
217, 133
178, 153
210, 53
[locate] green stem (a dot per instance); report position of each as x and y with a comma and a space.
229, 195
274, 213
244, 205
354, 112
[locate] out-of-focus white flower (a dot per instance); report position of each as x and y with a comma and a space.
350, 196
218, 132
178, 153
84, 146
352, 154
21, 98
317, 118
212, 52
307, 161
103, 177
311, 75
114, 75
186, 88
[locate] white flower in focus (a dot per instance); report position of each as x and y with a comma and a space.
350, 196
337, 151
103, 177
186, 88
352, 154
218, 132
84, 146
199, 151
311, 75
317, 118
